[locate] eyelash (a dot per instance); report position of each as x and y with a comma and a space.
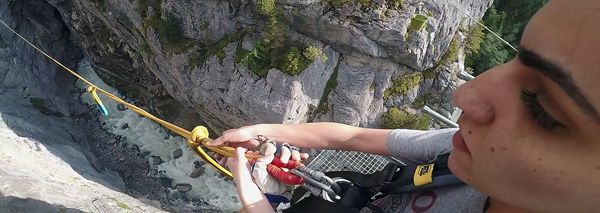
537, 112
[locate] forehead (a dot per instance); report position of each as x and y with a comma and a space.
568, 33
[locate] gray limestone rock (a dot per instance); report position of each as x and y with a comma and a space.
183, 187
197, 172
177, 153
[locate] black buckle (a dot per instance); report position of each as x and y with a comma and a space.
383, 177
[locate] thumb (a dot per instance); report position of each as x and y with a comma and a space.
240, 154
217, 142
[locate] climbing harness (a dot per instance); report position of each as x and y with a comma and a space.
358, 190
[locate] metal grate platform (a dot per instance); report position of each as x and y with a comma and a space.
337, 160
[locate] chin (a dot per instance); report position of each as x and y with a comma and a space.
459, 166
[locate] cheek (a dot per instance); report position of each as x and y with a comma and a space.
519, 163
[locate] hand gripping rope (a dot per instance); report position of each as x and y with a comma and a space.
314, 181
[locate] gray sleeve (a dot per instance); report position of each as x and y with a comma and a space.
419, 147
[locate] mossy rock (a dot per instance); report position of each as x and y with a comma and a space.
395, 118
330, 85
40, 105
124, 206
199, 57
420, 101
402, 85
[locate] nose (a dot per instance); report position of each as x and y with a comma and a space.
475, 104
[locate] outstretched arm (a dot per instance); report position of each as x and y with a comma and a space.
324, 135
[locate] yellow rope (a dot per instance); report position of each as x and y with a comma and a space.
198, 136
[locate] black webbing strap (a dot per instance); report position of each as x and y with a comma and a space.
442, 176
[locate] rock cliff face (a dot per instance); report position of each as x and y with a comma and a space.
367, 46
45, 156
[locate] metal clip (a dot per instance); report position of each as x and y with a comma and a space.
325, 188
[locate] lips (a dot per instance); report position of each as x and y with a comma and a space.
458, 142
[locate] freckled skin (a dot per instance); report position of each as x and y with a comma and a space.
495, 116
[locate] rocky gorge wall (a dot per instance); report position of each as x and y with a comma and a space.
187, 53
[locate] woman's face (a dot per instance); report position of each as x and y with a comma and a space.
530, 132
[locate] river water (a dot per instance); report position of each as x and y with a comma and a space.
152, 137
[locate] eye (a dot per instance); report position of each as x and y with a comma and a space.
537, 112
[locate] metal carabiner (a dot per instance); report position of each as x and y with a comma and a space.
317, 184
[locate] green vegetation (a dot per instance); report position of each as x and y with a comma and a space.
364, 3
338, 3
474, 39
40, 105
452, 52
312, 53
199, 57
394, 5
420, 101
403, 84
169, 30
293, 61
430, 13
276, 51
331, 83
124, 206
398, 119
288, 58
240, 53
144, 47
62, 211
505, 18
265, 7
254, 57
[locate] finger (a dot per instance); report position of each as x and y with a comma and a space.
285, 154
240, 154
218, 141
247, 144
269, 153
223, 161
218, 156
303, 156
225, 137
295, 155
270, 149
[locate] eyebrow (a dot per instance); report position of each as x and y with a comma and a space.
560, 77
